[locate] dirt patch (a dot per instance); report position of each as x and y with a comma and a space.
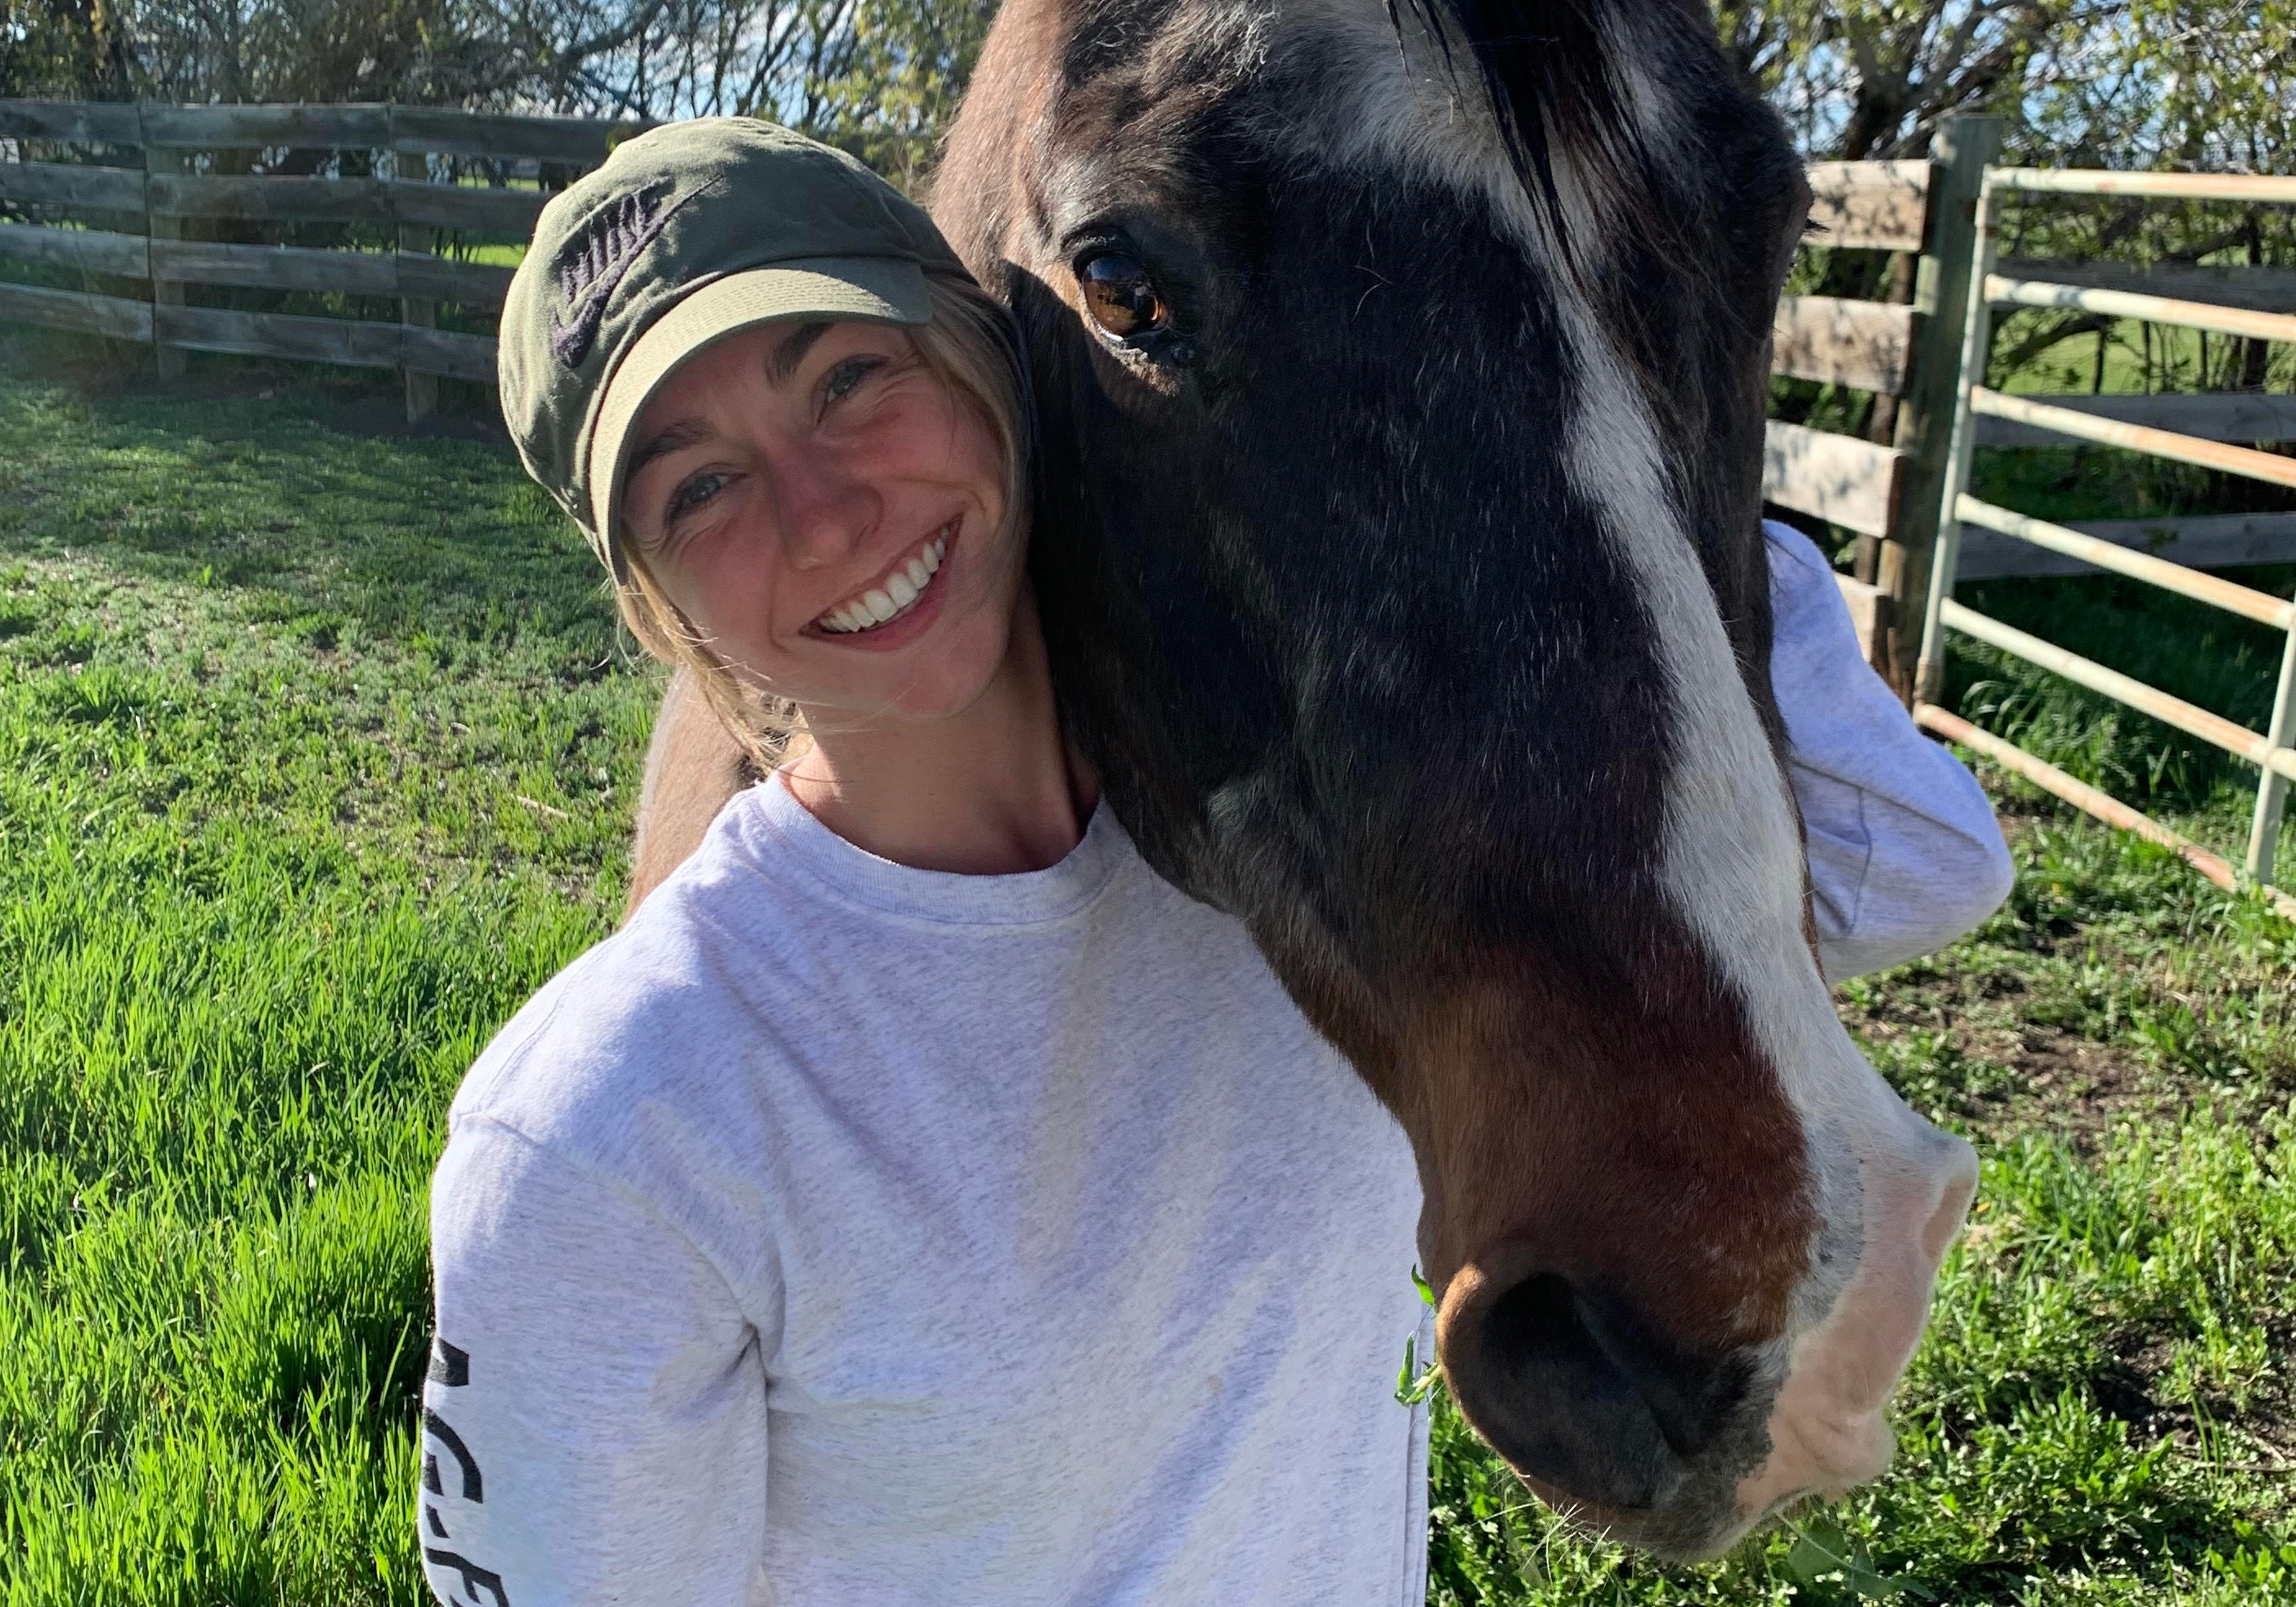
2259, 1440
2023, 1077
2077, 1089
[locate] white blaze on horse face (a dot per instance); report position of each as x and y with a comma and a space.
1891, 1189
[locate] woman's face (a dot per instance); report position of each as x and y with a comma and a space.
832, 515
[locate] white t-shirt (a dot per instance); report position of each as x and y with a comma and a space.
841, 1231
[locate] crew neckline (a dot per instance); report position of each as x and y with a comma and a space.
769, 814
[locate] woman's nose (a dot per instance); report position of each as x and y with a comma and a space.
827, 510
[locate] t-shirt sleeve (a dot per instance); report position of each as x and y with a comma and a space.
1904, 854
594, 1424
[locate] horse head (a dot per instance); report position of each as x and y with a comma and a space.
1403, 372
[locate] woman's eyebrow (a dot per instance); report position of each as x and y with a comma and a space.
675, 437
791, 351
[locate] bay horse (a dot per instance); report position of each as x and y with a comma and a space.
1402, 370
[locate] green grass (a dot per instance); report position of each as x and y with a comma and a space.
2181, 359
317, 754
496, 255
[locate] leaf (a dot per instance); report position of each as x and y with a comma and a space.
1822, 1554
1412, 1384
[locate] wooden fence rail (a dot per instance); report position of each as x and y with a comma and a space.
156, 201
177, 196
1890, 491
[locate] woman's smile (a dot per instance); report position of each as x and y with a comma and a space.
831, 515
905, 594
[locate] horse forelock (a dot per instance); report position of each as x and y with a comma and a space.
1733, 852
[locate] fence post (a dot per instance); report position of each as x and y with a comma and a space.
414, 312
2272, 789
1959, 153
165, 293
1945, 549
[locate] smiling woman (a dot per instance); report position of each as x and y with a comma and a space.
882, 1210
798, 493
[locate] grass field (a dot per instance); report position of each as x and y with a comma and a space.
317, 754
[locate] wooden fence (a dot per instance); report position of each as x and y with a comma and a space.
1883, 490
141, 202
1906, 353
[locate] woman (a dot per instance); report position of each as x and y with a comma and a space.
918, 1200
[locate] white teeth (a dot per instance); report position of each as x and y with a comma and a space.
900, 590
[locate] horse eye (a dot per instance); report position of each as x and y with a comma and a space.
1121, 296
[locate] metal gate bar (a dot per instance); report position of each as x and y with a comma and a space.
2132, 304
2102, 804
2268, 189
2229, 596
2273, 750
2214, 729
2136, 438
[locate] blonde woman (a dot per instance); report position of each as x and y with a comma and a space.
918, 1201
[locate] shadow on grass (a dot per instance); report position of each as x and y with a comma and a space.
299, 489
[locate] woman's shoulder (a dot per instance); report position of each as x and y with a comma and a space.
644, 1017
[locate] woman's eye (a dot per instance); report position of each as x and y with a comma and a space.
847, 376
1121, 298
691, 493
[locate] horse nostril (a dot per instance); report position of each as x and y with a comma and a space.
1576, 1390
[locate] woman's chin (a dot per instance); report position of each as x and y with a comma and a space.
938, 674
940, 690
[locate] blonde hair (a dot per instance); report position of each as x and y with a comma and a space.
974, 348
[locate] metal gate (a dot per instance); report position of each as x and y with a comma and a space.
2275, 752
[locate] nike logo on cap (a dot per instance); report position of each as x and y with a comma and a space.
610, 242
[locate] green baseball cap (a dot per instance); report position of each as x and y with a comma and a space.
690, 232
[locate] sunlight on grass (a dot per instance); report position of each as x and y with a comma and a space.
496, 255
317, 757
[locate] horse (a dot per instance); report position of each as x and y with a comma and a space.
1402, 369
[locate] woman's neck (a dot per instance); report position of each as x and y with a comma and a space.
988, 791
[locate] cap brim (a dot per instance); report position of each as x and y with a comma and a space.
875, 289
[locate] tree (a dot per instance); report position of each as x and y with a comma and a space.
909, 66
65, 49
